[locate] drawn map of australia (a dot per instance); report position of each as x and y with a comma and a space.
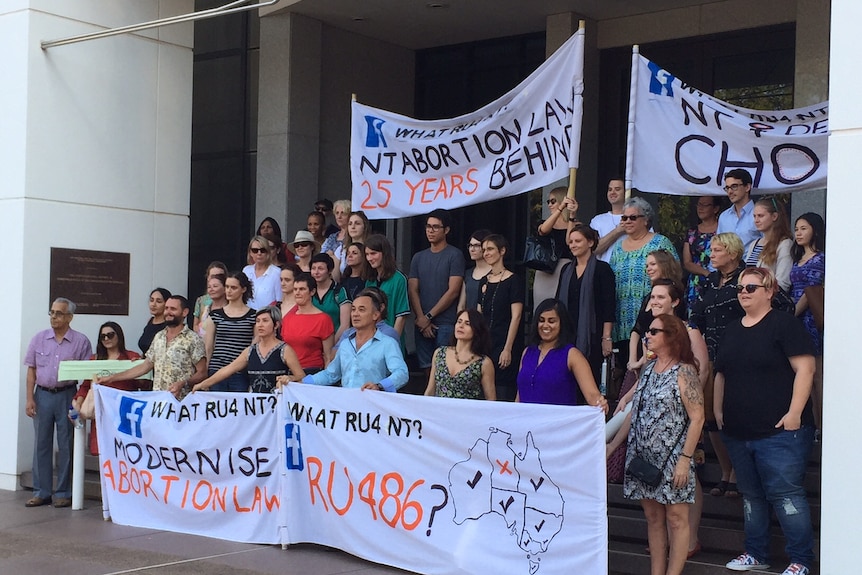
495, 479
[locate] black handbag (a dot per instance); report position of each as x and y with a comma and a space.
540, 253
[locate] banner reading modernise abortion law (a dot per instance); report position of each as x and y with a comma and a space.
529, 138
685, 141
446, 486
208, 465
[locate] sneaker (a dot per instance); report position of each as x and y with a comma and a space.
796, 569
746, 562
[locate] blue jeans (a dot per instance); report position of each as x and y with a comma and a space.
771, 471
238, 382
426, 346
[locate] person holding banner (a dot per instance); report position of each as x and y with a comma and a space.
562, 210
110, 344
739, 217
368, 359
268, 362
667, 417
473, 376
772, 249
552, 370
609, 224
628, 261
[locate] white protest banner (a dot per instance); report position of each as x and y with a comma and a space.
208, 465
529, 138
446, 486
684, 141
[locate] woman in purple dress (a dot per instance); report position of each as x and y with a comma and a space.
806, 285
552, 370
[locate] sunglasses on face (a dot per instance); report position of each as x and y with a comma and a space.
302, 244
258, 250
108, 335
656, 330
551, 201
749, 288
631, 218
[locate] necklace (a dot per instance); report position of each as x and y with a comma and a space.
458, 357
499, 273
663, 369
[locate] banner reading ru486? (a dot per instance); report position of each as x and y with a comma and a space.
431, 485
446, 486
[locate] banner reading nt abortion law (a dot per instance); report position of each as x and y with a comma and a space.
685, 141
446, 486
529, 138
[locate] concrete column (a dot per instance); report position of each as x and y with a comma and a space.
288, 142
811, 84
558, 29
95, 141
841, 467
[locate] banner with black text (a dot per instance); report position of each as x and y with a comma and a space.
684, 141
529, 138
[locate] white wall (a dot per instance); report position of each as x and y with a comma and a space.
95, 144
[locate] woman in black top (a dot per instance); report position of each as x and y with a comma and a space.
158, 297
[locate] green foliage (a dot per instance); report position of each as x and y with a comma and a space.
673, 218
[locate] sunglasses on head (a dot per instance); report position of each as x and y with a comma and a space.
108, 335
258, 250
631, 218
749, 288
656, 330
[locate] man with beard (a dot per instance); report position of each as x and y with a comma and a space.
177, 356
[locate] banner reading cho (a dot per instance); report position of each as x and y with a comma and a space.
685, 141
208, 465
446, 486
529, 138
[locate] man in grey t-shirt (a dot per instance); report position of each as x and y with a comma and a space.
433, 288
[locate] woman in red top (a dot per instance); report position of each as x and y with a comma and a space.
309, 331
111, 344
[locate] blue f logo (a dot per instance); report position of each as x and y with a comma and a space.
661, 81
131, 414
374, 132
293, 447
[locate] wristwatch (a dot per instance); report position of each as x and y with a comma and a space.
429, 316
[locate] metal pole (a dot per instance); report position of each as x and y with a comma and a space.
211, 13
80, 440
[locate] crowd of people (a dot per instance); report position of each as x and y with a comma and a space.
722, 353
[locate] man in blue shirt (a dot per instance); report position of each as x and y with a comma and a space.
739, 217
367, 359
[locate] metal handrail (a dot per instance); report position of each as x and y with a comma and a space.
194, 16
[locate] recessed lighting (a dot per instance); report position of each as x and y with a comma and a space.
358, 18
435, 5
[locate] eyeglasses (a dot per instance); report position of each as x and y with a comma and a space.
475, 246
732, 187
301, 244
656, 330
258, 250
55, 313
749, 288
631, 218
433, 227
108, 335
551, 201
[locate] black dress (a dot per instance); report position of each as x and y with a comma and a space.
150, 331
496, 300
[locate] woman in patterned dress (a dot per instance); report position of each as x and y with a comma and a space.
463, 369
667, 417
267, 362
628, 260
695, 250
809, 270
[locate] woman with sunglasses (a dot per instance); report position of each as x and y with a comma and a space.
263, 275
463, 369
715, 309
305, 248
270, 229
772, 249
470, 288
561, 212
267, 362
667, 417
628, 261
763, 378
110, 344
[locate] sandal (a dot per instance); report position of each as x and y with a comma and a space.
720, 488
731, 491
